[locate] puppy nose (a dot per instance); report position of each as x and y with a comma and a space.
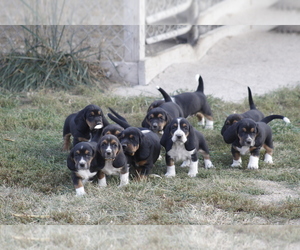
154, 125
82, 165
248, 140
178, 136
124, 145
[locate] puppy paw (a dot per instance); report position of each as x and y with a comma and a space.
253, 162
191, 174
208, 164
80, 191
193, 171
124, 179
236, 163
209, 124
268, 159
201, 123
170, 171
170, 175
102, 182
209, 127
185, 164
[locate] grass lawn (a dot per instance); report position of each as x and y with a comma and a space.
36, 188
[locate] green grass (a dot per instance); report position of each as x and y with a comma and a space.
36, 187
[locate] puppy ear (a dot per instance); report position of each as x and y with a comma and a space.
231, 133
98, 159
190, 144
80, 119
144, 123
120, 160
257, 129
169, 118
166, 136
70, 160
141, 137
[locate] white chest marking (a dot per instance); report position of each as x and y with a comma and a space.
179, 153
244, 150
109, 169
86, 174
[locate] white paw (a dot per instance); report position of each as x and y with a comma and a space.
253, 162
201, 123
236, 163
268, 158
185, 164
208, 164
124, 179
80, 191
170, 171
102, 182
190, 174
193, 171
209, 124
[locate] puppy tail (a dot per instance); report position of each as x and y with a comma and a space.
117, 115
269, 118
118, 119
251, 103
200, 83
164, 94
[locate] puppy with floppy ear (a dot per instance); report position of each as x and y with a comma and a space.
111, 160
82, 125
182, 143
158, 117
83, 164
248, 136
253, 113
142, 148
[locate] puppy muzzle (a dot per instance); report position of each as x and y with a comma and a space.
179, 137
248, 142
99, 125
82, 165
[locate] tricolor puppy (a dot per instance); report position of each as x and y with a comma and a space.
142, 148
83, 164
192, 103
182, 143
253, 113
83, 124
158, 118
248, 136
111, 160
